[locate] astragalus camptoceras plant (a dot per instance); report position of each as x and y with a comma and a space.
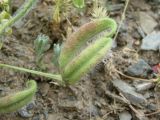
73, 60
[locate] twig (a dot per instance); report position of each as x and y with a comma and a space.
138, 114
135, 78
114, 96
124, 100
153, 113
123, 17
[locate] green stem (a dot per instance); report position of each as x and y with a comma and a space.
56, 77
9, 4
19, 14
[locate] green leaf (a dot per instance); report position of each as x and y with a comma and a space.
57, 51
4, 15
78, 3
41, 45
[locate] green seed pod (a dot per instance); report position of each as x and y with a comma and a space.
74, 66
78, 3
79, 38
15, 101
86, 60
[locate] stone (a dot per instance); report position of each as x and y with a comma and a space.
144, 86
137, 4
156, 1
125, 115
140, 31
30, 106
129, 92
147, 22
23, 112
115, 7
37, 117
151, 42
56, 116
139, 69
44, 88
93, 110
152, 107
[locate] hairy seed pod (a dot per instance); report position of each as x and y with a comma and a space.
74, 66
86, 60
15, 101
79, 38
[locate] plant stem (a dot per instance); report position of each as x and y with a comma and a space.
56, 77
19, 14
122, 18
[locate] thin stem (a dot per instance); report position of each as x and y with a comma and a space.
56, 77
9, 3
20, 13
122, 19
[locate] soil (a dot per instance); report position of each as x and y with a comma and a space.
92, 97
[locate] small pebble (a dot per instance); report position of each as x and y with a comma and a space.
139, 69
37, 117
151, 42
125, 115
137, 42
129, 92
144, 86
147, 22
30, 106
152, 107
24, 113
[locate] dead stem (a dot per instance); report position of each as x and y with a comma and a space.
135, 78
153, 113
124, 100
138, 113
122, 18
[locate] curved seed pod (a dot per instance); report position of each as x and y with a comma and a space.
79, 38
86, 60
15, 101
